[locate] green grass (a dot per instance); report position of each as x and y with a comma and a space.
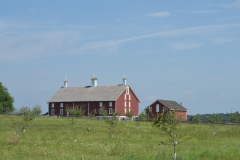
58, 138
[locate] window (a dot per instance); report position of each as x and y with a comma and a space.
164, 109
52, 112
129, 97
110, 104
150, 109
100, 111
125, 104
125, 97
52, 105
61, 111
61, 105
157, 107
110, 110
127, 90
129, 104
129, 110
100, 104
125, 110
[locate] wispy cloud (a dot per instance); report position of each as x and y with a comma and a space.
235, 4
177, 46
186, 94
23, 44
221, 40
151, 97
159, 14
203, 11
172, 33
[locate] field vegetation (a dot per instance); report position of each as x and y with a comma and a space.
59, 138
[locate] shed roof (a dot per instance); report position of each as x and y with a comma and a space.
88, 93
172, 105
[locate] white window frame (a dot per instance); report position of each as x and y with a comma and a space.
129, 97
53, 112
61, 111
61, 105
164, 109
100, 110
110, 110
52, 105
129, 110
127, 90
125, 110
125, 104
125, 97
129, 104
110, 104
157, 107
100, 104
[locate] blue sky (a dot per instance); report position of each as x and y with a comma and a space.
187, 51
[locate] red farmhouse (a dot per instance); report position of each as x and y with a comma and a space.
113, 97
164, 105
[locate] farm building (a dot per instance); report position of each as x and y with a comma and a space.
163, 106
113, 97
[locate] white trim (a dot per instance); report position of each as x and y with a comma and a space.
125, 104
129, 104
110, 109
157, 108
88, 108
100, 110
129, 97
52, 111
127, 91
125, 110
125, 97
61, 105
164, 109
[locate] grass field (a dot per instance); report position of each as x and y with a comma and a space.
59, 138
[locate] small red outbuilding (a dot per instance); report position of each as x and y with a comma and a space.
164, 105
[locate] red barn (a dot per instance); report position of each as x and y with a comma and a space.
113, 97
164, 105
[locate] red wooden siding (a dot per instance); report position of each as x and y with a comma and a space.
183, 114
121, 103
155, 114
91, 108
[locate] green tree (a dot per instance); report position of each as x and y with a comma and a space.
76, 111
111, 120
213, 120
235, 117
37, 110
168, 123
1, 109
141, 117
197, 119
91, 115
129, 115
27, 114
6, 100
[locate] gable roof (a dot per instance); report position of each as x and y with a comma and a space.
171, 105
88, 93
